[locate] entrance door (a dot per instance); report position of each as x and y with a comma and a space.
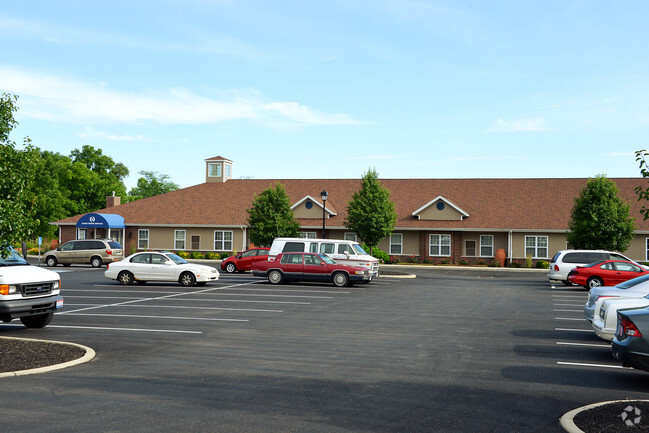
196, 242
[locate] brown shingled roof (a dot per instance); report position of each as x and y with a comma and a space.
499, 204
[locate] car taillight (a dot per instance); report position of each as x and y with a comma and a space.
628, 328
107, 266
600, 297
109, 252
556, 268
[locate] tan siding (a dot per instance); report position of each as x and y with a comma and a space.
431, 213
302, 212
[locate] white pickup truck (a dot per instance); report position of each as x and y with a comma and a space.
27, 292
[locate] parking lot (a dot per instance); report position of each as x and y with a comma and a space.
450, 350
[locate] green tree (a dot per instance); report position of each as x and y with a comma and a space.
92, 177
371, 213
600, 219
17, 171
271, 217
643, 193
152, 184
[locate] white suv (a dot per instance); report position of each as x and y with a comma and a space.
564, 261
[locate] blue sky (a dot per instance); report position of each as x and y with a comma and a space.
312, 89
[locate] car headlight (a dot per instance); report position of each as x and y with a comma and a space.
56, 285
8, 289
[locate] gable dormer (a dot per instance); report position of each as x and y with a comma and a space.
309, 207
440, 209
218, 169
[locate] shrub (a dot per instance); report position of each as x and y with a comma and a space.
542, 264
528, 261
463, 262
196, 255
225, 255
481, 262
394, 259
211, 256
183, 254
426, 260
446, 261
495, 263
515, 264
32, 251
133, 249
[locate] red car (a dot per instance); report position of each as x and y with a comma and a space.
309, 267
605, 273
243, 261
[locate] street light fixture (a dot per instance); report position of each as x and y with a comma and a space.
323, 196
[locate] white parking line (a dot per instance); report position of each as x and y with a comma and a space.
605, 346
570, 318
115, 329
153, 299
272, 296
568, 311
576, 330
568, 305
585, 364
250, 310
158, 317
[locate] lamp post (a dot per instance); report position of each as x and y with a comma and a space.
323, 196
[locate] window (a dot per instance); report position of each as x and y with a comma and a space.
228, 170
158, 259
196, 242
143, 239
536, 246
293, 247
396, 243
647, 250
82, 234
223, 240
214, 169
469, 248
328, 248
306, 235
292, 259
349, 236
345, 249
486, 246
179, 237
439, 245
141, 258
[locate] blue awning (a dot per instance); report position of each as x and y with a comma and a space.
101, 220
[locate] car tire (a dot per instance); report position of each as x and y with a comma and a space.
594, 282
275, 277
96, 262
340, 279
39, 321
187, 279
230, 268
125, 278
50, 261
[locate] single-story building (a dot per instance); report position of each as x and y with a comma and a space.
443, 218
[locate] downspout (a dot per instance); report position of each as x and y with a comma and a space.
509, 246
243, 241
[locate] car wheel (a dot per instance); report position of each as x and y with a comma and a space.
594, 282
340, 279
96, 262
275, 277
125, 278
187, 279
50, 261
39, 321
230, 268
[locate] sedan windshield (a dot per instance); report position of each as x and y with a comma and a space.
177, 259
632, 282
11, 257
328, 260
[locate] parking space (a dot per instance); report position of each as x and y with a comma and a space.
95, 304
580, 347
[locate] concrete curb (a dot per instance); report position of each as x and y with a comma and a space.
90, 354
567, 420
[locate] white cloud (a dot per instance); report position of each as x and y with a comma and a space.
64, 100
503, 125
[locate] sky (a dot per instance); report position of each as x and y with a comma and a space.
331, 89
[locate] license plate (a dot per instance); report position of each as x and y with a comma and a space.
59, 303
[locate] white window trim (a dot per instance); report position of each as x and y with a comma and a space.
400, 244
223, 240
307, 235
147, 239
350, 236
177, 239
536, 246
492, 246
440, 245
80, 232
